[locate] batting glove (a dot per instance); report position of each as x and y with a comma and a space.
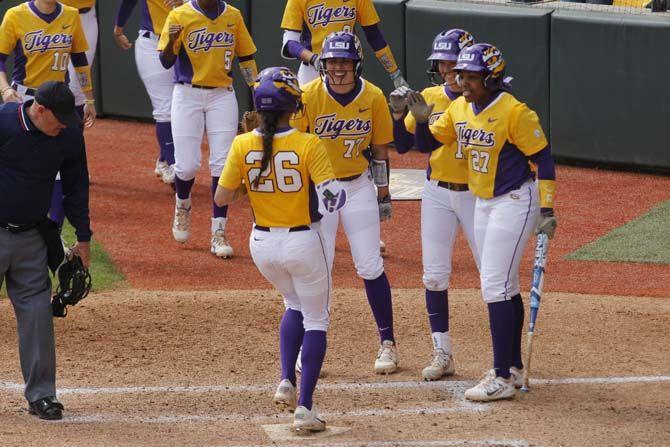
385, 208
398, 99
417, 105
315, 61
547, 224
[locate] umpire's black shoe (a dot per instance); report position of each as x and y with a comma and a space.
47, 408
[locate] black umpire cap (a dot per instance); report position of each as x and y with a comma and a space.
57, 97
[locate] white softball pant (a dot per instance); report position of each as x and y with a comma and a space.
442, 211
503, 225
195, 111
306, 73
89, 22
158, 81
360, 220
295, 264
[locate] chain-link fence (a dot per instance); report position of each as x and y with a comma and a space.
658, 8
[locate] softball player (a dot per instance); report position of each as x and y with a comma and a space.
500, 135
349, 114
45, 36
446, 202
158, 80
306, 23
279, 167
201, 39
89, 23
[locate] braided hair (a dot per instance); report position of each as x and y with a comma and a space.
268, 129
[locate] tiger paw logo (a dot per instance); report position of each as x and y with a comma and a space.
466, 40
493, 60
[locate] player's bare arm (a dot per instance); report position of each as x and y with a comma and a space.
8, 93
121, 39
168, 56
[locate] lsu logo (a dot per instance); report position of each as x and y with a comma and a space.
201, 39
493, 60
434, 117
37, 41
442, 46
339, 46
474, 137
320, 15
328, 126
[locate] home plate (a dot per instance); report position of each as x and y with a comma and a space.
283, 432
407, 184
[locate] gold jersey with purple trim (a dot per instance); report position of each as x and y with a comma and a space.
285, 195
41, 43
498, 141
79, 4
315, 19
447, 163
206, 47
346, 130
154, 15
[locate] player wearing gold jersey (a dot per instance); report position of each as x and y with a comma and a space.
290, 183
158, 80
349, 114
306, 24
89, 23
201, 39
499, 135
446, 204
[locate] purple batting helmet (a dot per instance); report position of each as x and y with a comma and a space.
446, 47
486, 59
277, 90
342, 44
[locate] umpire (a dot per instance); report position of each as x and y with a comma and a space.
38, 138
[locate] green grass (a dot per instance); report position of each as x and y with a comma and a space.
104, 273
644, 239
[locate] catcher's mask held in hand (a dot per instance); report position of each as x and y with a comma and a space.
74, 285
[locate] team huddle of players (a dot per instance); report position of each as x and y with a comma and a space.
320, 157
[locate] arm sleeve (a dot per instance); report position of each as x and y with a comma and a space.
74, 178
374, 37
546, 174
424, 139
244, 44
366, 13
382, 123
7, 36
125, 10
292, 19
249, 69
292, 49
318, 163
231, 176
3, 61
83, 71
79, 42
403, 139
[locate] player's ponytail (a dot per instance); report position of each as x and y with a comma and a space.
268, 129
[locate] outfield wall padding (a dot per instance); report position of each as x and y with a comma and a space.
521, 33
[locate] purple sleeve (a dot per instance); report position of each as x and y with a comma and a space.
293, 49
424, 140
79, 59
545, 164
374, 37
167, 64
125, 10
403, 139
245, 58
3, 61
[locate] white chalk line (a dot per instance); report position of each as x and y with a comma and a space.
447, 385
436, 443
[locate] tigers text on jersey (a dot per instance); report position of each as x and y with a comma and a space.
79, 4
447, 163
207, 47
285, 195
498, 141
346, 130
41, 43
315, 19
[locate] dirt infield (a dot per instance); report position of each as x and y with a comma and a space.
199, 369
132, 216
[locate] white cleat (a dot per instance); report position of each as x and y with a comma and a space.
220, 246
441, 365
387, 358
285, 396
307, 421
168, 174
382, 248
517, 376
181, 226
160, 167
491, 388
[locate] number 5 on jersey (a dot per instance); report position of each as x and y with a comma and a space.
286, 179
